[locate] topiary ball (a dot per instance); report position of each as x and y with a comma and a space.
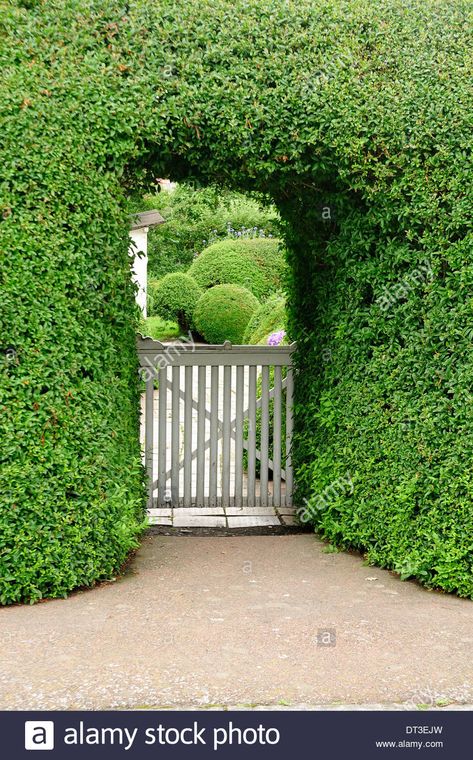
270, 316
254, 263
174, 298
223, 312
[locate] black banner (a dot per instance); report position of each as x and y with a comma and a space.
219, 734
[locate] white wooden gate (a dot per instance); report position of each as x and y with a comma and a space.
214, 418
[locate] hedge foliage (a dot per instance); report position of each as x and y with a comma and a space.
223, 312
268, 318
174, 297
355, 118
256, 264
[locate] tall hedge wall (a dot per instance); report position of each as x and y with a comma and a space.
355, 117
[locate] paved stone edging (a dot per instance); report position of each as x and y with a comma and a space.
222, 517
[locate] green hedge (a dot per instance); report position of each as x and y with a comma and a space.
174, 298
222, 313
71, 480
256, 264
270, 316
355, 118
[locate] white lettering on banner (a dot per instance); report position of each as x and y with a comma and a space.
247, 736
163, 735
82, 735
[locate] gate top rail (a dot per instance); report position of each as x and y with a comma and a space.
154, 354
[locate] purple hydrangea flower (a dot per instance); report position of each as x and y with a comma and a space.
276, 338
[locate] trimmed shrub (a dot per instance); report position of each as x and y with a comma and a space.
71, 478
270, 316
223, 312
256, 264
174, 298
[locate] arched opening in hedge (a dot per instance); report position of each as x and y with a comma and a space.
357, 125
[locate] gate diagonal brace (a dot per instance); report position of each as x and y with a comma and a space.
233, 422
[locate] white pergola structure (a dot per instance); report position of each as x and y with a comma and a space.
139, 251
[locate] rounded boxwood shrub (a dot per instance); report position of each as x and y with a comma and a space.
174, 298
223, 312
254, 263
268, 318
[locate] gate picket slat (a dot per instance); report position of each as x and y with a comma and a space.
162, 409
213, 436
239, 436
149, 434
188, 437
175, 402
264, 452
251, 493
201, 436
277, 438
289, 430
227, 379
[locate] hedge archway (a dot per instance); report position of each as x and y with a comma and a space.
355, 118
